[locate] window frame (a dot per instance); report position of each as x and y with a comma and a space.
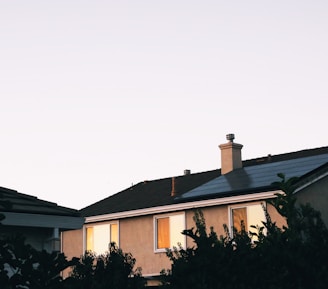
155, 236
240, 206
92, 225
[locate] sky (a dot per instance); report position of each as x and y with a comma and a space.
96, 96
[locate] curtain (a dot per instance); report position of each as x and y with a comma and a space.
239, 215
114, 233
163, 233
90, 239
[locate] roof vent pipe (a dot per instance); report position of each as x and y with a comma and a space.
174, 189
186, 172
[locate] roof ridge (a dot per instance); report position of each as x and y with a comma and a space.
286, 156
31, 197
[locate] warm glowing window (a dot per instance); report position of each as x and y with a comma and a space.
168, 231
98, 237
248, 215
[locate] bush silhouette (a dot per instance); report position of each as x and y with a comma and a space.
294, 256
111, 270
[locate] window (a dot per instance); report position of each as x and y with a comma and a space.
250, 215
98, 237
168, 231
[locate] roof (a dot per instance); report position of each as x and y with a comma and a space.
257, 175
29, 211
22, 203
148, 194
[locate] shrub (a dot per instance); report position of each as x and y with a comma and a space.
295, 256
111, 270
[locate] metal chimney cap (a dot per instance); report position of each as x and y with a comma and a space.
230, 137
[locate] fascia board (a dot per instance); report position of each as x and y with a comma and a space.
183, 206
42, 221
312, 180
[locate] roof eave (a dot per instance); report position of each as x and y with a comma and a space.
184, 206
42, 221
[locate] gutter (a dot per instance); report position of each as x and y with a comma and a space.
42, 221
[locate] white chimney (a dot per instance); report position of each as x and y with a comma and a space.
230, 155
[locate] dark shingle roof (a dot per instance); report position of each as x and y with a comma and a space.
148, 194
256, 174
22, 203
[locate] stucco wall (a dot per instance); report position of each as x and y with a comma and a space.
136, 236
72, 246
317, 196
72, 243
214, 217
276, 217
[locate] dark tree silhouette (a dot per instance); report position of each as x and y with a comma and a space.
294, 256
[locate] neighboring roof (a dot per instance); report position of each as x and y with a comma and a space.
22, 203
26, 210
255, 176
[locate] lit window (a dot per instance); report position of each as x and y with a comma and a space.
98, 237
168, 231
250, 215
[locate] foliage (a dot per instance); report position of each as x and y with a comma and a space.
5, 205
295, 256
112, 270
21, 266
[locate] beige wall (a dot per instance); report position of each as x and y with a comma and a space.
136, 236
276, 217
215, 217
72, 243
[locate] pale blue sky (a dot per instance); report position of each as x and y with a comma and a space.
97, 95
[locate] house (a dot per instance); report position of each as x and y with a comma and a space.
41, 223
148, 217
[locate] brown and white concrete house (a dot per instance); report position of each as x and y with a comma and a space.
148, 217
41, 223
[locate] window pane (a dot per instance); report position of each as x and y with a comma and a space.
90, 239
177, 225
114, 233
101, 239
255, 216
238, 216
163, 233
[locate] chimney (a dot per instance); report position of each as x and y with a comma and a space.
230, 155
